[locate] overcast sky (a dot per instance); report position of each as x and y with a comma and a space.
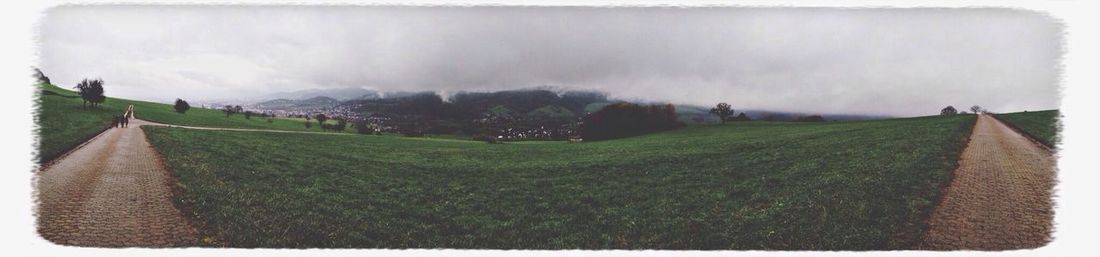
904, 62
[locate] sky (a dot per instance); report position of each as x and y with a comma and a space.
877, 61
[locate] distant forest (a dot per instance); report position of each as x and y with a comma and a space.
479, 112
524, 114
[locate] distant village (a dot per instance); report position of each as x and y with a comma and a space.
501, 116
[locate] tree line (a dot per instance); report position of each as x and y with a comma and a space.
950, 110
623, 119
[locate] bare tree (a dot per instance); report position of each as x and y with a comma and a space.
976, 109
723, 110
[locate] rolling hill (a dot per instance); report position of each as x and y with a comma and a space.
750, 185
1041, 125
64, 124
774, 185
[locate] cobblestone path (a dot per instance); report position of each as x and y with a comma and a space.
112, 192
1000, 198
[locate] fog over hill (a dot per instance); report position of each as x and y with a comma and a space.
879, 61
341, 94
543, 101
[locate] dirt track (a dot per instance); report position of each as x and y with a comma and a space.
1000, 198
112, 192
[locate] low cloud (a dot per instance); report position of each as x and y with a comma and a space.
903, 62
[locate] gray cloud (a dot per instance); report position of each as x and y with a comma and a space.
877, 61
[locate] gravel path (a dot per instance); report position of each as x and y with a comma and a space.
1000, 198
114, 191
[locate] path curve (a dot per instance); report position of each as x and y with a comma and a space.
113, 191
1000, 198
145, 122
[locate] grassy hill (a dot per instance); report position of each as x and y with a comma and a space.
63, 123
1043, 125
751, 185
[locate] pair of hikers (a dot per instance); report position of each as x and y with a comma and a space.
121, 121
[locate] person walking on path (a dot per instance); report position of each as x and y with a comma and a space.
117, 122
114, 191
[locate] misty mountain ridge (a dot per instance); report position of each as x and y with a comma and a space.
340, 94
688, 111
314, 103
547, 98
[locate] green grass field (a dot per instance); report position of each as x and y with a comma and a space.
753, 185
64, 123
1041, 124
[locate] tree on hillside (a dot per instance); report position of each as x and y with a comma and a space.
182, 106
670, 114
41, 76
228, 110
321, 118
363, 127
248, 115
341, 123
723, 110
628, 119
976, 109
949, 110
91, 91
